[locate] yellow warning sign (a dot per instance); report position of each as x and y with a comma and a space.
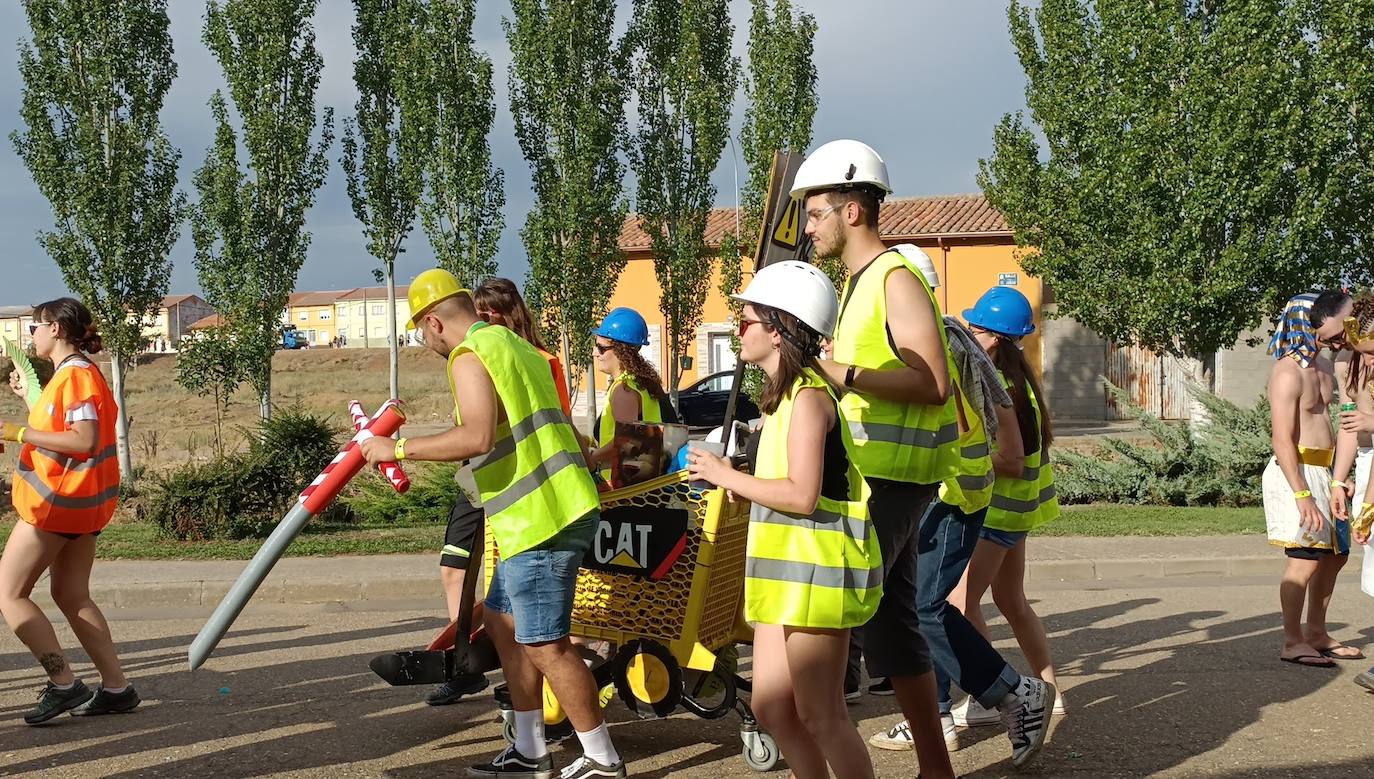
788, 230
624, 560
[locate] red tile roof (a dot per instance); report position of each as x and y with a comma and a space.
323, 298
375, 293
172, 300
214, 320
899, 219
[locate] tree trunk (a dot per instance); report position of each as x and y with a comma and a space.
265, 398
126, 465
567, 370
591, 399
1203, 370
395, 364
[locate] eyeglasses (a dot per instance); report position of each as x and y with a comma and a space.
817, 214
602, 348
744, 325
33, 327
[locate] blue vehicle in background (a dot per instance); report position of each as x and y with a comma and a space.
291, 338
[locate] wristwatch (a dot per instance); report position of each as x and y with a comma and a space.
849, 376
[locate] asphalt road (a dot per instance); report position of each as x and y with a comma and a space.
1162, 679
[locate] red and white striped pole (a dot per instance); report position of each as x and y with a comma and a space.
392, 471
321, 492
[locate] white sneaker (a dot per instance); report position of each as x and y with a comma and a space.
1027, 712
895, 738
971, 714
1059, 708
898, 737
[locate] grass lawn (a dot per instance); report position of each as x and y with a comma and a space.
1114, 520
139, 540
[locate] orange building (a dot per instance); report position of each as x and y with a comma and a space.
967, 239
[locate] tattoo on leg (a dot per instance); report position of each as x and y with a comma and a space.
52, 662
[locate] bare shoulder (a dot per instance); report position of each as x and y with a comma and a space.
1285, 378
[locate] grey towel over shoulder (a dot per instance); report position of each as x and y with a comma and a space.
978, 377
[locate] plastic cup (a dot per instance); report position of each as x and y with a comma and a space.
713, 447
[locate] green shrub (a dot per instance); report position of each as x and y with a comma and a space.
245, 495
429, 499
1218, 463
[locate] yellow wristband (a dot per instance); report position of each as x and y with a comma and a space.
400, 449
19, 437
1300, 494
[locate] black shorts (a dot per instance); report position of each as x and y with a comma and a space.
1307, 553
892, 640
73, 536
464, 532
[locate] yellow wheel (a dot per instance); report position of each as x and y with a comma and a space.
553, 710
649, 678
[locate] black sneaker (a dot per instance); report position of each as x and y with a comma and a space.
106, 702
558, 732
586, 768
454, 689
881, 688
52, 701
512, 763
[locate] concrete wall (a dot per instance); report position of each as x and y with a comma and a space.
1074, 358
1243, 370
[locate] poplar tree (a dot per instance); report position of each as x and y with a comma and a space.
95, 75
249, 226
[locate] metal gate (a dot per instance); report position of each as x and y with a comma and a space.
1157, 383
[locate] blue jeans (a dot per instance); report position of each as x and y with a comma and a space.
536, 586
945, 542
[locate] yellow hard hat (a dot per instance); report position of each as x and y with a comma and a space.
430, 287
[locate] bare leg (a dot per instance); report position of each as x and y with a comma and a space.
1009, 593
522, 678
453, 589
569, 678
919, 700
816, 661
775, 706
1292, 594
71, 590
28, 553
1319, 591
983, 566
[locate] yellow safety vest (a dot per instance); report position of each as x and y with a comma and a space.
649, 411
898, 441
971, 489
534, 481
819, 571
1027, 502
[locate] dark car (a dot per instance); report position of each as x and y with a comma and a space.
703, 404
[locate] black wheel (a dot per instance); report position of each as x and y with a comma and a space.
648, 678
709, 695
762, 754
508, 726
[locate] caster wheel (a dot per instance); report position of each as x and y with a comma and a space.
760, 750
508, 726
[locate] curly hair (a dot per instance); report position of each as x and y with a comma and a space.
1363, 312
644, 374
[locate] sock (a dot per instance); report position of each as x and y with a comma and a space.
115, 690
529, 734
65, 687
596, 744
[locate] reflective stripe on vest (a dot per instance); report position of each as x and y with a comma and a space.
534, 481
67, 493
971, 490
1025, 503
898, 441
822, 570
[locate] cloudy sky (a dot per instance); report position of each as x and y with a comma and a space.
922, 81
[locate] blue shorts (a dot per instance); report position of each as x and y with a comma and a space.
536, 586
1007, 538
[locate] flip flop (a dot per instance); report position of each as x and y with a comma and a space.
1317, 661
1332, 652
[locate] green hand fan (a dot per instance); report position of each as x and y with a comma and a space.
22, 364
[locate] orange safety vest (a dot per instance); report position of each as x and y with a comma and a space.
64, 493
559, 381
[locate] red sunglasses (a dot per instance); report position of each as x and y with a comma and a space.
744, 325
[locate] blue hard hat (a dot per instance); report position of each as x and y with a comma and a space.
1002, 310
624, 325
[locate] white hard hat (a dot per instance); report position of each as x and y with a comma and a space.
918, 257
800, 289
841, 165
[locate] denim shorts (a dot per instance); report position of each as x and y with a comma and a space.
1007, 538
536, 586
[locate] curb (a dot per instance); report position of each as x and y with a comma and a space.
426, 587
